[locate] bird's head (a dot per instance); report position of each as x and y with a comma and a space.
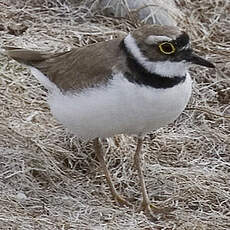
164, 50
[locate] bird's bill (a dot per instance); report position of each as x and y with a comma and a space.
195, 59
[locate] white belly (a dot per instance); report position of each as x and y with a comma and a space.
119, 107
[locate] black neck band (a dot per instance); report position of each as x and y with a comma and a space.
138, 74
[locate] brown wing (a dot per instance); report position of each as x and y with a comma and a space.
77, 68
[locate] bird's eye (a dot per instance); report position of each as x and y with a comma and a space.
167, 48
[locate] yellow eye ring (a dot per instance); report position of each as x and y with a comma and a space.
167, 48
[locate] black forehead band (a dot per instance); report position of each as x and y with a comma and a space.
181, 41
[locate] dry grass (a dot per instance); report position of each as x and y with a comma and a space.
50, 180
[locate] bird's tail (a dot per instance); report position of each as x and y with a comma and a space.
31, 59
27, 57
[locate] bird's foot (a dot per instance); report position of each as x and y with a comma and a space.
121, 201
151, 209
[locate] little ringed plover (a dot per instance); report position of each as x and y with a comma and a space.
128, 86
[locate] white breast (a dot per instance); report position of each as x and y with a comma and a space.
119, 107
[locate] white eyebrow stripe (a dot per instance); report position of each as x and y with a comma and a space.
152, 39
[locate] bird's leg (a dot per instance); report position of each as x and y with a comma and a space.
145, 204
100, 156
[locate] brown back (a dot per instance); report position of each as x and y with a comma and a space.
77, 68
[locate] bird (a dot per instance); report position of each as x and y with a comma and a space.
130, 85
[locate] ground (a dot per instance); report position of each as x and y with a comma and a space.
50, 180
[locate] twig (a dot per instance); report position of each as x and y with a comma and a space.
209, 112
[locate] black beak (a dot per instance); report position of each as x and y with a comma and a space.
195, 59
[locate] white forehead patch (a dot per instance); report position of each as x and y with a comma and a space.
154, 39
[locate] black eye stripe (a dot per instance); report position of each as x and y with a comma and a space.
181, 41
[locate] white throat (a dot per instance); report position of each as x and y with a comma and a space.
163, 68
